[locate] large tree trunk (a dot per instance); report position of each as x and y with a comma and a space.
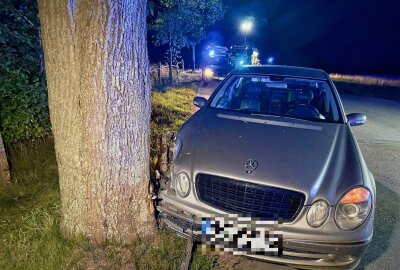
99, 97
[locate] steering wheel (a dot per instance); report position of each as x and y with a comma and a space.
304, 111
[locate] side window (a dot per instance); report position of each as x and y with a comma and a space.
226, 95
332, 109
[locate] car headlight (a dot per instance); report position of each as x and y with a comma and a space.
182, 184
177, 148
353, 209
318, 213
208, 73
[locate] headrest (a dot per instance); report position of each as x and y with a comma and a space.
252, 89
305, 95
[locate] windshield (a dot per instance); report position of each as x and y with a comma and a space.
282, 96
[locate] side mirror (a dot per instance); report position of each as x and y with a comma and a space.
356, 119
199, 101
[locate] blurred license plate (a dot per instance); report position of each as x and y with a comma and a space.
237, 235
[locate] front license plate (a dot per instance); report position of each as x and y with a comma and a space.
237, 235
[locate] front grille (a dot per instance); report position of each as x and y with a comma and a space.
239, 197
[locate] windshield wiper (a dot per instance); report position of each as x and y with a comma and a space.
262, 114
281, 116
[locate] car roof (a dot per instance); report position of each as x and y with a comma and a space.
303, 72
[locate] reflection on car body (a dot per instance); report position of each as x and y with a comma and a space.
274, 142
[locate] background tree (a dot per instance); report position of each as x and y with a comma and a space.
200, 15
168, 25
182, 23
99, 98
4, 168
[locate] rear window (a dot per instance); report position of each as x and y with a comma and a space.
281, 96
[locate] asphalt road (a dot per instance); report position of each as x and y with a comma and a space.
379, 140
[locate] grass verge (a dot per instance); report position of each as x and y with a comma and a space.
170, 109
30, 210
367, 86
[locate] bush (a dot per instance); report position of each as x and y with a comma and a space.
23, 107
23, 97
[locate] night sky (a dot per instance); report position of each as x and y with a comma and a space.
344, 36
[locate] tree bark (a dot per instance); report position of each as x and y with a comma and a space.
4, 168
194, 56
99, 98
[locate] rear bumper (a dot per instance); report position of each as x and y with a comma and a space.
299, 253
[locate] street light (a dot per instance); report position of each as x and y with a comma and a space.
246, 27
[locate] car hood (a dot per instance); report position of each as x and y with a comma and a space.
318, 159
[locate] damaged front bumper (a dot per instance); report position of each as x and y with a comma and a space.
297, 252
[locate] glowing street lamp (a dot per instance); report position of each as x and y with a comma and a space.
246, 27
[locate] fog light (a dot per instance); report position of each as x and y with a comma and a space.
318, 213
183, 184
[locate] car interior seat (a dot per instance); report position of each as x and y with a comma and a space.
302, 107
278, 101
321, 102
251, 97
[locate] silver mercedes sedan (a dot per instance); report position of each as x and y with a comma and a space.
274, 143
